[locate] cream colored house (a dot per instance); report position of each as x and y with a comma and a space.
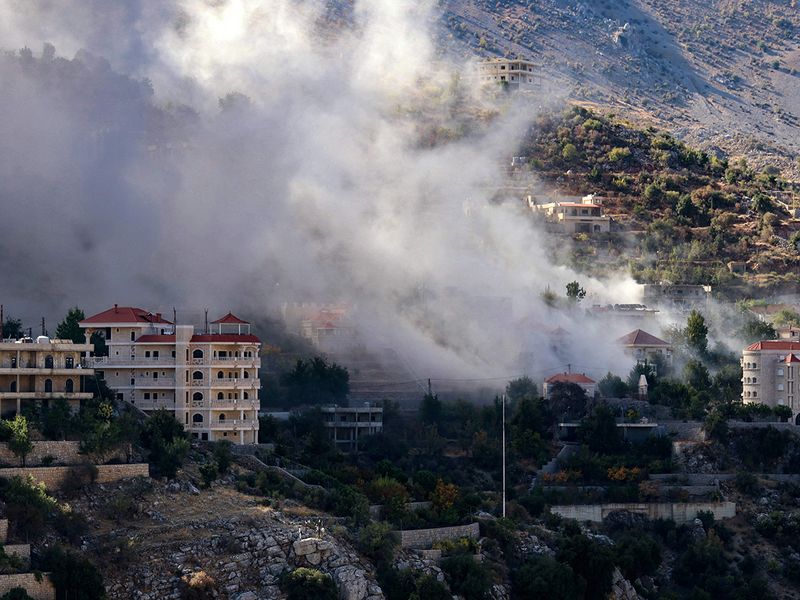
513, 74
771, 373
43, 369
209, 381
578, 215
587, 383
642, 346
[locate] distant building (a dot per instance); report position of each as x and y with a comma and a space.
642, 346
628, 314
677, 296
570, 216
45, 369
771, 374
329, 330
512, 74
768, 312
208, 381
788, 333
347, 425
589, 385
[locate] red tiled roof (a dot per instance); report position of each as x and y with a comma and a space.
124, 314
791, 358
230, 318
569, 378
775, 345
214, 338
639, 337
156, 339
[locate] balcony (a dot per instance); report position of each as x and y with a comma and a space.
46, 395
161, 382
100, 362
234, 384
234, 404
227, 425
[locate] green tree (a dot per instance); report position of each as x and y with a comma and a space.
164, 437
590, 560
57, 420
521, 388
316, 381
570, 153
599, 431
697, 332
12, 329
755, 330
530, 428
471, 579
575, 292
430, 410
567, 400
69, 329
612, 386
20, 441
309, 584
73, 575
16, 593
545, 577
783, 412
637, 554
379, 542
696, 376
223, 455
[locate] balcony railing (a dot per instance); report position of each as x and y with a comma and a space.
238, 424
161, 382
97, 362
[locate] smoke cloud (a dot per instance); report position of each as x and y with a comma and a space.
240, 154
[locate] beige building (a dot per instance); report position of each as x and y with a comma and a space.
587, 383
43, 369
677, 296
209, 381
346, 425
770, 374
513, 74
573, 215
642, 346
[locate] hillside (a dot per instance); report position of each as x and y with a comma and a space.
737, 90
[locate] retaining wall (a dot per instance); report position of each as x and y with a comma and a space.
38, 590
54, 477
422, 539
21, 551
3, 531
680, 512
63, 453
376, 510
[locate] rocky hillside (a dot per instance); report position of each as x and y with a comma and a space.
722, 74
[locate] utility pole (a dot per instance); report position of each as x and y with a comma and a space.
1, 323
206, 321
43, 329
504, 456
174, 316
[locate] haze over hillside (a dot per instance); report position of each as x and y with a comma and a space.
721, 74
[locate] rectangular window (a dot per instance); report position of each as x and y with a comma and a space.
780, 387
780, 373
147, 395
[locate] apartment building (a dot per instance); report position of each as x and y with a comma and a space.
346, 425
642, 346
572, 215
677, 296
512, 74
43, 369
771, 374
209, 381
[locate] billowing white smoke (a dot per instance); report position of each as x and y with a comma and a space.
317, 189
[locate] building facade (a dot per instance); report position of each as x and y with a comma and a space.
570, 216
43, 369
678, 297
208, 381
346, 425
771, 374
512, 74
641, 346
587, 383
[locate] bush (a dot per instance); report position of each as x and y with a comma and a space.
209, 472
72, 575
378, 541
27, 505
470, 579
16, 593
747, 483
309, 584
223, 456
198, 586
637, 555
591, 561
545, 577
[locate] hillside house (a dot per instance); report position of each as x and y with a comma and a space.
572, 215
587, 383
641, 346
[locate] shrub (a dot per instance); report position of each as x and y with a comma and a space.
309, 584
428, 588
590, 560
209, 472
747, 483
72, 575
545, 577
198, 586
27, 505
16, 593
470, 579
378, 541
223, 456
637, 555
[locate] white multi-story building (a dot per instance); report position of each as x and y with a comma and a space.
514, 74
209, 381
771, 374
41, 370
572, 215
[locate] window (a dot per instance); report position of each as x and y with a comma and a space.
197, 418
246, 396
155, 353
155, 374
780, 387
48, 362
197, 396
133, 336
197, 375
69, 386
221, 416
147, 395
147, 354
246, 375
220, 375
220, 396
48, 386
12, 387
69, 362
780, 373
755, 394
755, 379
197, 354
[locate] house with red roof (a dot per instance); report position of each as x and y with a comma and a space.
771, 374
207, 379
641, 346
587, 383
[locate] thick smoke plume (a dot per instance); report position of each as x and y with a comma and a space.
241, 154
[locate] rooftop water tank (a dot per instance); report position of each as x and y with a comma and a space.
42, 339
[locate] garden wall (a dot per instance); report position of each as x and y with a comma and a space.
422, 539
680, 512
3, 530
54, 477
38, 590
63, 453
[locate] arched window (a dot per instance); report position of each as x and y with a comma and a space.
197, 418
69, 362
246, 375
197, 354
69, 386
13, 387
48, 386
222, 416
220, 396
197, 375
220, 375
246, 396
48, 362
197, 396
